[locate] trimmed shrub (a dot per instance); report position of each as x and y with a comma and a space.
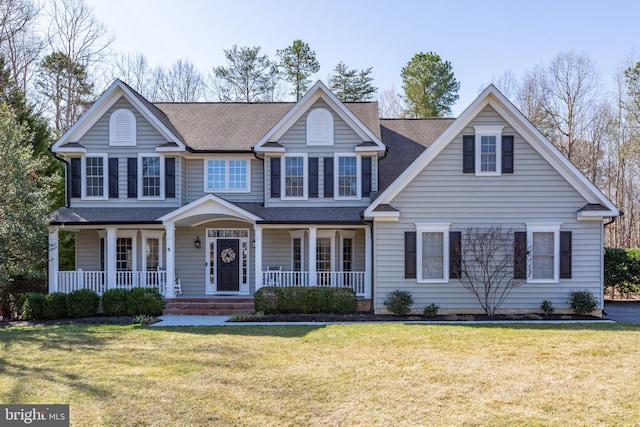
114, 302
547, 307
299, 300
34, 305
399, 302
56, 305
582, 302
13, 293
82, 303
144, 301
430, 311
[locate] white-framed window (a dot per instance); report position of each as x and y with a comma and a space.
319, 127
151, 179
297, 250
543, 241
227, 175
347, 176
122, 128
294, 176
94, 176
126, 245
325, 241
151, 250
347, 243
488, 150
433, 252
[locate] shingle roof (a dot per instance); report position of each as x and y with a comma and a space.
232, 126
304, 215
108, 215
406, 139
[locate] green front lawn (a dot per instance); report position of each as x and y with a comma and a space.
340, 375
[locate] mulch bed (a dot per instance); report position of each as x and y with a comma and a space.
101, 320
370, 317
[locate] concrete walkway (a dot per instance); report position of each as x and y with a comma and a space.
191, 321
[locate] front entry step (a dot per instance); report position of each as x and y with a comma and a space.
207, 306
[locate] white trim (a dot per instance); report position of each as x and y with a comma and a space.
347, 234
100, 107
298, 234
336, 177
305, 176
142, 156
118, 143
226, 177
327, 234
317, 91
152, 234
481, 131
433, 227
204, 205
544, 227
105, 176
243, 287
133, 235
492, 96
320, 114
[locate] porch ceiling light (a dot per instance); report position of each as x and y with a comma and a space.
197, 243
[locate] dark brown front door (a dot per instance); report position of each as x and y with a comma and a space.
228, 265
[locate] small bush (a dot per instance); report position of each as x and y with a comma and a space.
144, 301
56, 306
82, 303
114, 302
399, 302
547, 307
14, 291
430, 311
145, 320
582, 302
34, 305
245, 317
298, 300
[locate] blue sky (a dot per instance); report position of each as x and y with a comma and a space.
481, 39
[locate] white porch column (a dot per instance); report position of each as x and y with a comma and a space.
258, 256
170, 229
368, 262
313, 235
53, 259
111, 257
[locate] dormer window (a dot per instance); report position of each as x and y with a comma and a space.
122, 128
320, 127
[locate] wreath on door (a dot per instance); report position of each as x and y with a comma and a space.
228, 255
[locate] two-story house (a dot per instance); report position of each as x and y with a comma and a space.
229, 197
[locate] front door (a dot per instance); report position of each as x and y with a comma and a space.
228, 271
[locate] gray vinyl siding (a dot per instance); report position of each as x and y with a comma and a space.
88, 250
96, 140
294, 141
195, 179
535, 192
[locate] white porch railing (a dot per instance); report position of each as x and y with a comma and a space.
340, 279
69, 281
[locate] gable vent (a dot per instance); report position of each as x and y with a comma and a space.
320, 127
122, 128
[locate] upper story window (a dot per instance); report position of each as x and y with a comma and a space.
488, 147
95, 183
151, 182
294, 183
319, 127
222, 175
347, 177
122, 128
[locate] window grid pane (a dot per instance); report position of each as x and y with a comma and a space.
347, 177
216, 173
488, 153
237, 174
347, 254
124, 254
153, 254
294, 176
542, 253
432, 255
297, 254
151, 176
94, 173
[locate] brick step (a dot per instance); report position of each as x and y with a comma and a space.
208, 306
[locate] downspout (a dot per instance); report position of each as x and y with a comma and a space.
264, 193
67, 196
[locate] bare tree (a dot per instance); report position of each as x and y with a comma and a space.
490, 265
390, 104
135, 70
181, 83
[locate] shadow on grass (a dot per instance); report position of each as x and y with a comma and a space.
281, 331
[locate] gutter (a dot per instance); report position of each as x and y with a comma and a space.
67, 196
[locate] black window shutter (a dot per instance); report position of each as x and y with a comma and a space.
468, 154
328, 177
410, 255
76, 177
366, 176
132, 177
565, 254
113, 178
520, 255
507, 154
275, 177
170, 177
455, 254
313, 177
